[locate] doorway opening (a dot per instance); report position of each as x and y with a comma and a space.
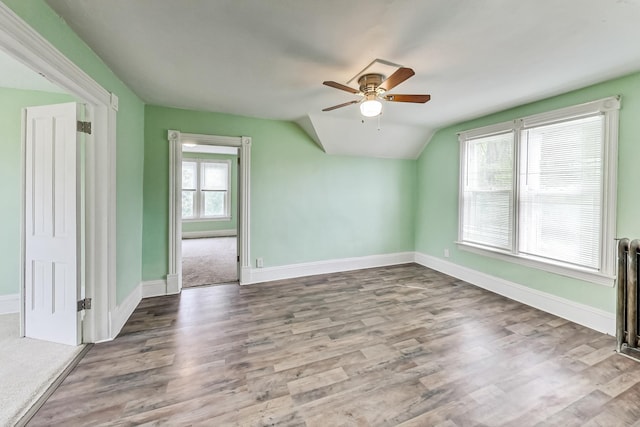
26, 46
209, 214
199, 206
38, 338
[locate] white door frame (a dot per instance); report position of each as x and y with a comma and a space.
243, 143
26, 45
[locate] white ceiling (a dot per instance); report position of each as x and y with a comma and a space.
268, 59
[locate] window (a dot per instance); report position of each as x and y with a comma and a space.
541, 190
205, 189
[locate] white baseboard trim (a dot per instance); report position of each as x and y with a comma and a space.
211, 233
173, 285
124, 310
582, 314
9, 303
245, 274
268, 274
153, 288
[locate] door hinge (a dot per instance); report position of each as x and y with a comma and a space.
84, 127
84, 304
238, 258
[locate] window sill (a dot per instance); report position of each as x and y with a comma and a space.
217, 218
557, 268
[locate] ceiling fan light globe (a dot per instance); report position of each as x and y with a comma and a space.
371, 108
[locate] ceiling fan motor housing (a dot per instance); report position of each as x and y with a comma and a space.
369, 83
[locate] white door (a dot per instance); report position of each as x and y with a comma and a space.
52, 223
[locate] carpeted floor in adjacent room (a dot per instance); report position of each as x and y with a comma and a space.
209, 261
27, 368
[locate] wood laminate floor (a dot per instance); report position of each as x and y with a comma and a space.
400, 345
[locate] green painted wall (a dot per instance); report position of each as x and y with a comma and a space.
437, 205
230, 224
11, 103
305, 205
129, 135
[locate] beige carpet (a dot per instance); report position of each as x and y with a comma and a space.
27, 368
209, 261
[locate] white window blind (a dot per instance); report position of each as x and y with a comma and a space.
488, 191
215, 176
561, 191
215, 182
541, 190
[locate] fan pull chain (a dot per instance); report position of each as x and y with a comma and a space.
379, 127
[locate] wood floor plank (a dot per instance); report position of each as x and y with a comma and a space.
401, 345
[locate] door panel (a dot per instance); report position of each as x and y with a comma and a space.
52, 285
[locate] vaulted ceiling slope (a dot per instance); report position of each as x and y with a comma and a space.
268, 59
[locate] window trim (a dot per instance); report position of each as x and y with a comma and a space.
198, 200
609, 107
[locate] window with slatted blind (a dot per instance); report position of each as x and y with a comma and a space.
488, 191
540, 190
206, 189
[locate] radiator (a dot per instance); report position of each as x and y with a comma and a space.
627, 299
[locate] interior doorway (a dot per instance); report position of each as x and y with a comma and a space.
49, 320
209, 214
41, 257
242, 146
27, 47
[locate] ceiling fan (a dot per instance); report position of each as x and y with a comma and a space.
373, 88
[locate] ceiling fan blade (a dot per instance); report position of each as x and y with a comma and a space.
396, 78
420, 99
340, 105
340, 86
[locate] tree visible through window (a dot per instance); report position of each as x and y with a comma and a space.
205, 189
